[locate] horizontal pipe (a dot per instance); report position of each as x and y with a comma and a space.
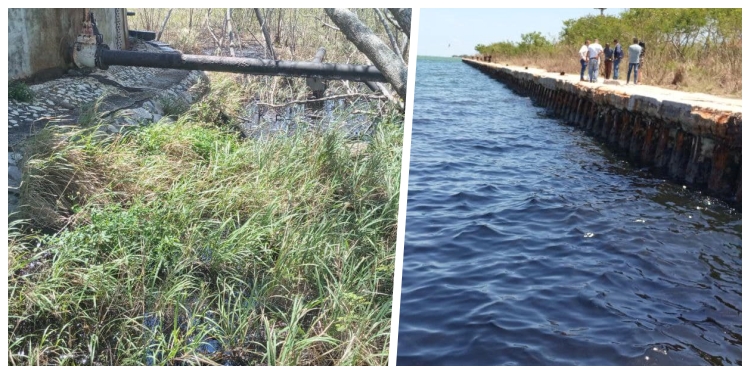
240, 65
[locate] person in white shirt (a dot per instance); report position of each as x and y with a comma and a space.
594, 53
583, 54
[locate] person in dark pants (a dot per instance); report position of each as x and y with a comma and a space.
634, 57
640, 61
583, 56
609, 54
618, 55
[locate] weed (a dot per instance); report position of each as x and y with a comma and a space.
173, 106
187, 245
20, 91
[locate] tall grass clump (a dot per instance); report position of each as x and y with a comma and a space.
184, 244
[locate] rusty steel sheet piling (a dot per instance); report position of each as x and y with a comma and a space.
693, 139
239, 65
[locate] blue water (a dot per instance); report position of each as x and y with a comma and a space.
529, 243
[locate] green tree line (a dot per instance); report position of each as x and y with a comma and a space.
681, 34
686, 49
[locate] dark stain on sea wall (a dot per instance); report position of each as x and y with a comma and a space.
695, 146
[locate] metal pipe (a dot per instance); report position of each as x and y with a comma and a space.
372, 86
108, 57
320, 55
318, 85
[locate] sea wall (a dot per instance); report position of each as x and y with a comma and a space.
693, 139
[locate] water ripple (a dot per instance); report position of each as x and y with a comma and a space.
529, 243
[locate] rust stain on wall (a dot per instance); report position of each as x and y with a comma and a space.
702, 148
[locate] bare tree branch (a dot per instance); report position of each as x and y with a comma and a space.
387, 61
403, 17
230, 32
394, 43
266, 35
331, 26
357, 95
405, 48
388, 94
217, 50
393, 22
164, 25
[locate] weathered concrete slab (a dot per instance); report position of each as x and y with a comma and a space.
692, 138
39, 38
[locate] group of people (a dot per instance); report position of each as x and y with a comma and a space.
592, 53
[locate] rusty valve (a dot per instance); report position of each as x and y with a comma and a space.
88, 45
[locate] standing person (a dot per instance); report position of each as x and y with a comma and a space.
595, 52
640, 61
618, 56
609, 54
634, 57
583, 55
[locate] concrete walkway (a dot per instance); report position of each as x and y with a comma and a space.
699, 100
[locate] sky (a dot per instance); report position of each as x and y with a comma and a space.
447, 32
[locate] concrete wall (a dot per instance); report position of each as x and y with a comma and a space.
693, 139
39, 39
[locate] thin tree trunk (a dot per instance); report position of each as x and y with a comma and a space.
230, 32
277, 37
293, 28
405, 49
266, 35
216, 40
190, 21
394, 43
403, 17
164, 25
387, 61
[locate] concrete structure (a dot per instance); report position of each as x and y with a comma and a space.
39, 40
694, 139
123, 98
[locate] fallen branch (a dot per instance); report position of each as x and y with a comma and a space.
164, 25
331, 26
388, 95
360, 95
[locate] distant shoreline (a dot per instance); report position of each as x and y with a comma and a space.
442, 57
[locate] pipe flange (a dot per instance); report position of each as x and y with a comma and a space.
98, 56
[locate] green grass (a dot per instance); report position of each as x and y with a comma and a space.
20, 91
184, 244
